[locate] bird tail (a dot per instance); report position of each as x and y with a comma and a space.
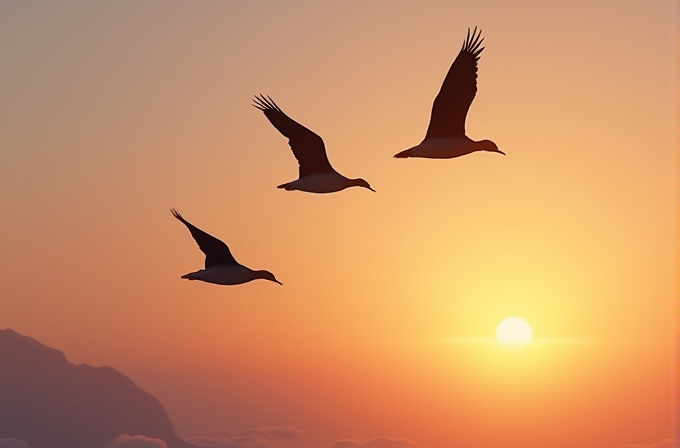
286, 186
404, 154
189, 276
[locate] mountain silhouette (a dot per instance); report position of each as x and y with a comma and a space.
51, 403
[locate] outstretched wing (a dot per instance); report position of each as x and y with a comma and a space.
457, 92
216, 252
308, 147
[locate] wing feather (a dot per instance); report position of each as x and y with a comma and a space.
459, 88
308, 148
216, 252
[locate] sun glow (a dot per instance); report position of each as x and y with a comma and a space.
513, 330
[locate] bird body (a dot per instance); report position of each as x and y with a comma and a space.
445, 137
221, 268
328, 182
447, 148
224, 274
316, 175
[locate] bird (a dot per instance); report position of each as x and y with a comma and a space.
445, 137
221, 268
316, 175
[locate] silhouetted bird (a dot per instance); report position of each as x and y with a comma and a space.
445, 138
316, 173
220, 266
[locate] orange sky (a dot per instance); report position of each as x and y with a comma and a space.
113, 112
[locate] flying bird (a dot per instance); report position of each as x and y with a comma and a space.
316, 173
220, 266
445, 138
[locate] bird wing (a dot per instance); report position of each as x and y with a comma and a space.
308, 147
457, 92
216, 252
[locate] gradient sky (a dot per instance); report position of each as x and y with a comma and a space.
113, 112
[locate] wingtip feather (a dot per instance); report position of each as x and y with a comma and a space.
258, 103
175, 213
265, 103
472, 42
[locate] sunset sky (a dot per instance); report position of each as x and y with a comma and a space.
113, 112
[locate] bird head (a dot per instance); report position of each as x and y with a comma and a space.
487, 145
266, 275
362, 183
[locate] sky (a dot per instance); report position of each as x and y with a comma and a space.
382, 335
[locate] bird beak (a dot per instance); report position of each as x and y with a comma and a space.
501, 152
276, 281
372, 190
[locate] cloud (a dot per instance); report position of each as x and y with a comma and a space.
128, 441
668, 443
229, 442
377, 442
257, 437
13, 443
285, 432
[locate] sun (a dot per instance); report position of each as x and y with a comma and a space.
513, 330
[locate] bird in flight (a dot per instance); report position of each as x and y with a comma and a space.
220, 266
316, 173
445, 138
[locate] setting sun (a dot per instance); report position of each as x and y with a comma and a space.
513, 330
